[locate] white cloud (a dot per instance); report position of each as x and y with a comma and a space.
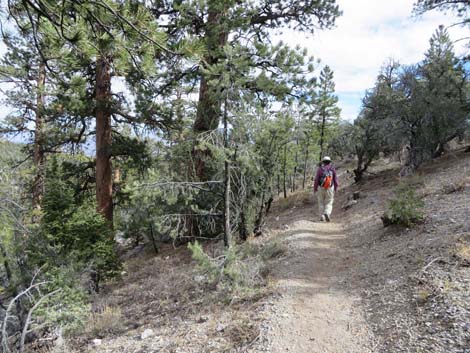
369, 32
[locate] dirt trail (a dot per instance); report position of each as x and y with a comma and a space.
315, 312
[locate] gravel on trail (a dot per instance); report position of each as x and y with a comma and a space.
313, 311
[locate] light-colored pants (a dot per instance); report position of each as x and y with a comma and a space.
325, 200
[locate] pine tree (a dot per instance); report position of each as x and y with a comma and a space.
25, 70
445, 92
433, 107
461, 7
378, 128
327, 110
269, 70
110, 39
422, 107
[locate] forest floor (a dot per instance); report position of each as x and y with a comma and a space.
349, 286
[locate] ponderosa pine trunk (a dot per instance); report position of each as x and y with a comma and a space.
284, 172
306, 162
296, 162
209, 105
322, 135
104, 182
278, 184
38, 154
210, 101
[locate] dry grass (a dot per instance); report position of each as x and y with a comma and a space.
455, 185
167, 294
298, 199
106, 320
63, 348
242, 330
462, 252
413, 276
273, 249
240, 273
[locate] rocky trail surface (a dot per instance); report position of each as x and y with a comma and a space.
314, 312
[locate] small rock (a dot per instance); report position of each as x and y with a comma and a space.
220, 328
147, 333
202, 319
349, 204
97, 342
199, 278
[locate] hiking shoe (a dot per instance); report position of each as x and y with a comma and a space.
322, 218
327, 217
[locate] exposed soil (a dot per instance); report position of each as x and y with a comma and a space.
349, 286
164, 306
315, 312
415, 282
360, 287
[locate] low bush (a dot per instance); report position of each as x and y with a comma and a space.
241, 268
69, 307
406, 208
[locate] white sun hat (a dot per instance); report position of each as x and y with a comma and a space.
326, 159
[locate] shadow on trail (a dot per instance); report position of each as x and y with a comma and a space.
315, 262
311, 231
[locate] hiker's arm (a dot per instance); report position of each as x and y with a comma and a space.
335, 180
317, 181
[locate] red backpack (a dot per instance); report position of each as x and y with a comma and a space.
326, 179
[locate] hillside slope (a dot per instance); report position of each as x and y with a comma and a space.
415, 283
402, 290
347, 286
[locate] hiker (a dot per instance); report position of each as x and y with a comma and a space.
325, 185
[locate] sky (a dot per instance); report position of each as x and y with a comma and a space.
369, 32
365, 36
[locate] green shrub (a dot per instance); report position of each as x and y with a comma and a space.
406, 208
69, 308
74, 248
241, 269
206, 265
72, 233
91, 241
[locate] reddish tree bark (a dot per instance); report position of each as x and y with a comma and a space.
210, 101
104, 173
